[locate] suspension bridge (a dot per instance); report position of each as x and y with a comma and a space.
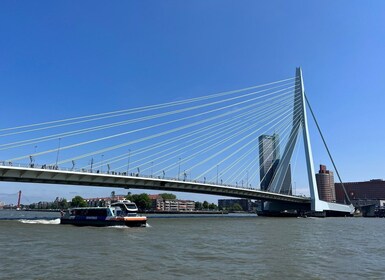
227, 144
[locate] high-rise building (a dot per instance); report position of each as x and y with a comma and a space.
269, 155
268, 158
325, 184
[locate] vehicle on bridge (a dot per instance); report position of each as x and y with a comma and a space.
121, 213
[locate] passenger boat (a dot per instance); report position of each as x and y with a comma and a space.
121, 213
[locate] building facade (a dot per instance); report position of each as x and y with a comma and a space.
160, 204
325, 184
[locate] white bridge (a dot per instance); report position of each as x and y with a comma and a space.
67, 177
213, 139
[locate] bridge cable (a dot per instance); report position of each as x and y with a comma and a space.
106, 126
257, 159
191, 156
145, 128
284, 124
281, 141
151, 107
220, 129
328, 151
230, 147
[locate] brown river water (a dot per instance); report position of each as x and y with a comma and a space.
34, 246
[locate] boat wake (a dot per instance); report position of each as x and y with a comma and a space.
42, 222
147, 225
118, 227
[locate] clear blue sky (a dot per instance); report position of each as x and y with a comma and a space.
73, 58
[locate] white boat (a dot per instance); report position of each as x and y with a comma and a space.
121, 213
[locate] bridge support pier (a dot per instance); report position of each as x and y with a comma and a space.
287, 209
283, 209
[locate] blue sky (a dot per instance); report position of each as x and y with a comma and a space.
71, 58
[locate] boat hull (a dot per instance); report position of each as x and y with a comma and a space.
102, 222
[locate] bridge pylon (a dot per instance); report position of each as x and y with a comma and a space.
300, 122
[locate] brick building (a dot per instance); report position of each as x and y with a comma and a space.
325, 184
361, 191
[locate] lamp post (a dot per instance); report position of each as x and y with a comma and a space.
101, 166
57, 154
128, 161
34, 154
179, 169
217, 172
92, 163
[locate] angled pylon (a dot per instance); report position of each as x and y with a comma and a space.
300, 121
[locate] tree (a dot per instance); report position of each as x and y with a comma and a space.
63, 204
236, 207
198, 205
129, 196
78, 201
167, 196
205, 205
213, 206
142, 201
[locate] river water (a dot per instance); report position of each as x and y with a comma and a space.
226, 247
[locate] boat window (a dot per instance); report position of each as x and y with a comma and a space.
110, 212
89, 212
98, 212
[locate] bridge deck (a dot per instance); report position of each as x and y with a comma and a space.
48, 176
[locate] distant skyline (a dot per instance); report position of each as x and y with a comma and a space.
67, 59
